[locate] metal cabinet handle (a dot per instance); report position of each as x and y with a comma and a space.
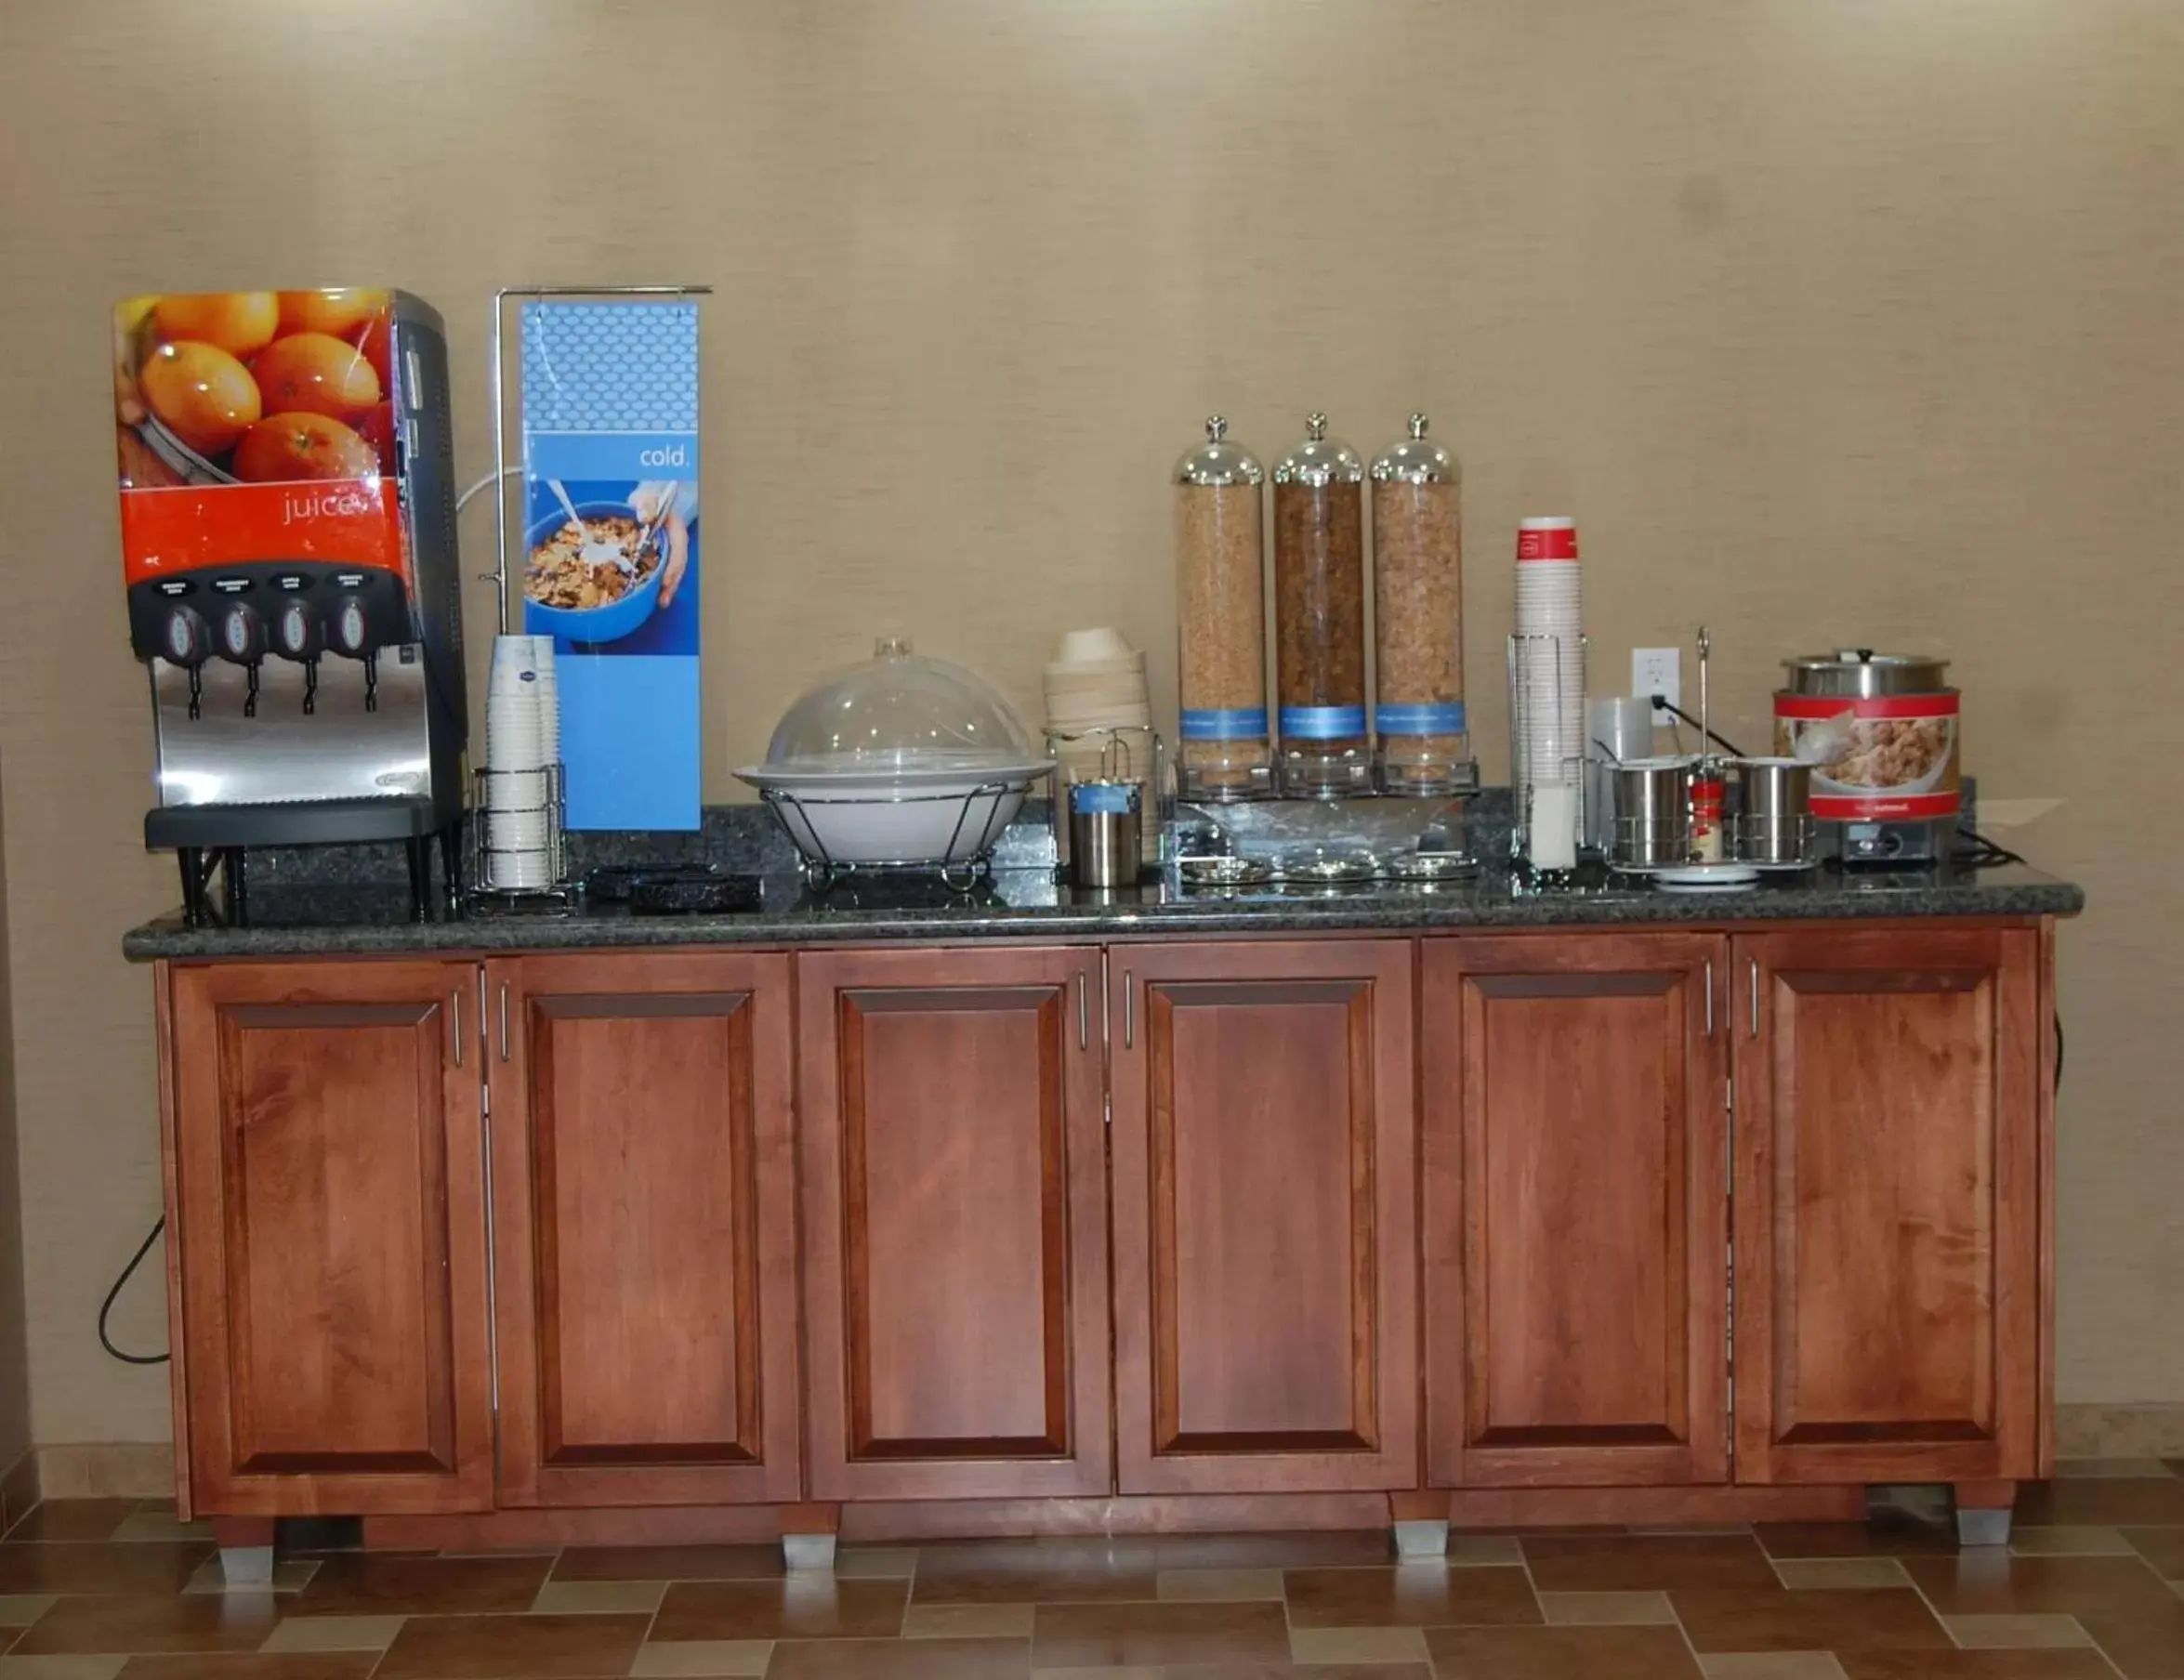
1084, 1018
504, 1020
1755, 997
1129, 1010
455, 1021
1709, 997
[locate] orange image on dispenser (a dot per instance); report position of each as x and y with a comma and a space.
255, 425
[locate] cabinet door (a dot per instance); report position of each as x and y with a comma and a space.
330, 1203
1886, 1212
644, 1198
1266, 1302
1577, 1208
954, 1223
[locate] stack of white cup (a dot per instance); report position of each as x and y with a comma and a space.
1550, 679
523, 756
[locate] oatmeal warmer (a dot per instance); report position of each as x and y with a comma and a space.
1882, 732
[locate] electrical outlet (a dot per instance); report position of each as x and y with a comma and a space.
1658, 670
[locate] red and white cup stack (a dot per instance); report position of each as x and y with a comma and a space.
1549, 684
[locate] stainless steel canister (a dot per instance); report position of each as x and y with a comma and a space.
1106, 832
1652, 812
1775, 823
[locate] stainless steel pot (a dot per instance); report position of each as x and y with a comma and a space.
1775, 823
1652, 811
1106, 826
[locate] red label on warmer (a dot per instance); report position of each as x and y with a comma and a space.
1885, 808
1879, 706
1890, 758
1556, 545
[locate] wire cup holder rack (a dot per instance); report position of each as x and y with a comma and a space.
1546, 747
502, 848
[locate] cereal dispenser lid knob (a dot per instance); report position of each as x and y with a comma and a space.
1415, 460
1218, 462
1319, 460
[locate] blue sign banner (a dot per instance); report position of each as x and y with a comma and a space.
609, 407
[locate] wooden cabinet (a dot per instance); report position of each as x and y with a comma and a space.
330, 1228
954, 1223
644, 1198
1575, 1209
1265, 1264
1888, 1281
1467, 1210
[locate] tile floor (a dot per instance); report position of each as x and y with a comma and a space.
2092, 1588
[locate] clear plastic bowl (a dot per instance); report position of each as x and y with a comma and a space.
898, 714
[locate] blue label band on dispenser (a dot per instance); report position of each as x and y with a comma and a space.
1102, 797
1446, 719
1235, 724
1322, 722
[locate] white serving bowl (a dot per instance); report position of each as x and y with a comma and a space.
894, 820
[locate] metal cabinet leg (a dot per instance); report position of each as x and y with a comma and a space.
807, 1536
1982, 1512
247, 1549
1421, 1537
1979, 1527
247, 1566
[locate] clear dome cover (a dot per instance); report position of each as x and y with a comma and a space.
899, 713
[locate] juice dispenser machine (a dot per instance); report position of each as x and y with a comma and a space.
288, 544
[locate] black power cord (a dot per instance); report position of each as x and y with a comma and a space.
1734, 751
106, 1308
1979, 852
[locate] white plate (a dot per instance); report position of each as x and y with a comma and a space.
1705, 878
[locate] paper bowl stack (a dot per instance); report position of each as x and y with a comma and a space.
522, 814
1095, 685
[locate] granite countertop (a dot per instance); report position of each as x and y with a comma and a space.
319, 919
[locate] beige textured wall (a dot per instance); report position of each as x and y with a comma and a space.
1831, 319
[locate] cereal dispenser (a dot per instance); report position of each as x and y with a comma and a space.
1220, 617
1418, 619
1320, 616
288, 548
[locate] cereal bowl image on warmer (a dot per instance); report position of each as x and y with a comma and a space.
594, 585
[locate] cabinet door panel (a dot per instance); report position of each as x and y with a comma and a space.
644, 1189
1886, 1205
1576, 1210
955, 1224
1265, 1277
329, 1185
